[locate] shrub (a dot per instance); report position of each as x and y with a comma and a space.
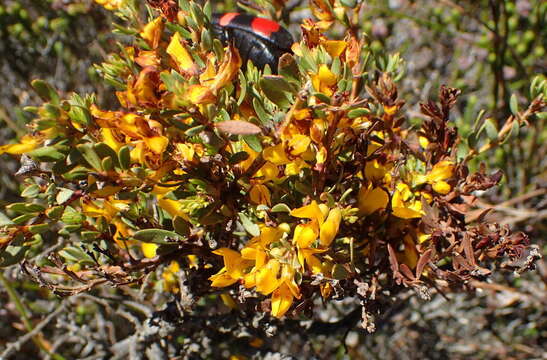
221, 183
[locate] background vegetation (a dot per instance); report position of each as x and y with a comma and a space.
489, 49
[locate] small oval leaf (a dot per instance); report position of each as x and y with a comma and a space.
238, 127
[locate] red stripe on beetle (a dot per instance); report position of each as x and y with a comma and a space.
264, 26
227, 18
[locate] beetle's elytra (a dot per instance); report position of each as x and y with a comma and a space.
260, 40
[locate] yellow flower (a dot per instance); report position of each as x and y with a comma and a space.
110, 139
441, 171
423, 237
282, 300
298, 144
324, 81
152, 32
276, 155
267, 277
111, 4
227, 70
173, 208
233, 270
330, 227
405, 204
149, 249
335, 48
199, 94
410, 254
170, 280
157, 144
295, 166
305, 234
180, 55
267, 172
311, 211
27, 143
259, 194
371, 199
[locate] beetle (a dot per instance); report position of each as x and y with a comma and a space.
260, 40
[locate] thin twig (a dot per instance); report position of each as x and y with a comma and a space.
15, 346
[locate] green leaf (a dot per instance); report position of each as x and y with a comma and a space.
73, 253
103, 150
90, 156
25, 208
253, 141
124, 157
55, 212
238, 157
63, 195
248, 225
157, 236
491, 129
322, 97
4, 220
181, 226
281, 207
339, 272
355, 113
514, 132
20, 220
514, 105
90, 235
277, 90
107, 163
288, 68
46, 154
194, 130
260, 112
12, 255
72, 217
39, 228
45, 91
31, 191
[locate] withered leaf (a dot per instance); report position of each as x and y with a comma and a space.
468, 249
406, 271
422, 262
238, 127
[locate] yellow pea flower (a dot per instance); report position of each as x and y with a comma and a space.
305, 234
282, 299
405, 204
26, 144
152, 32
330, 227
441, 171
371, 199
311, 211
111, 4
324, 80
149, 249
266, 277
170, 280
259, 194
276, 155
173, 208
157, 144
180, 55
335, 48
298, 144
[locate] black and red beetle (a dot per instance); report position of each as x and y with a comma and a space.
260, 40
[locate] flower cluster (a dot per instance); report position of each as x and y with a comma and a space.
307, 182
